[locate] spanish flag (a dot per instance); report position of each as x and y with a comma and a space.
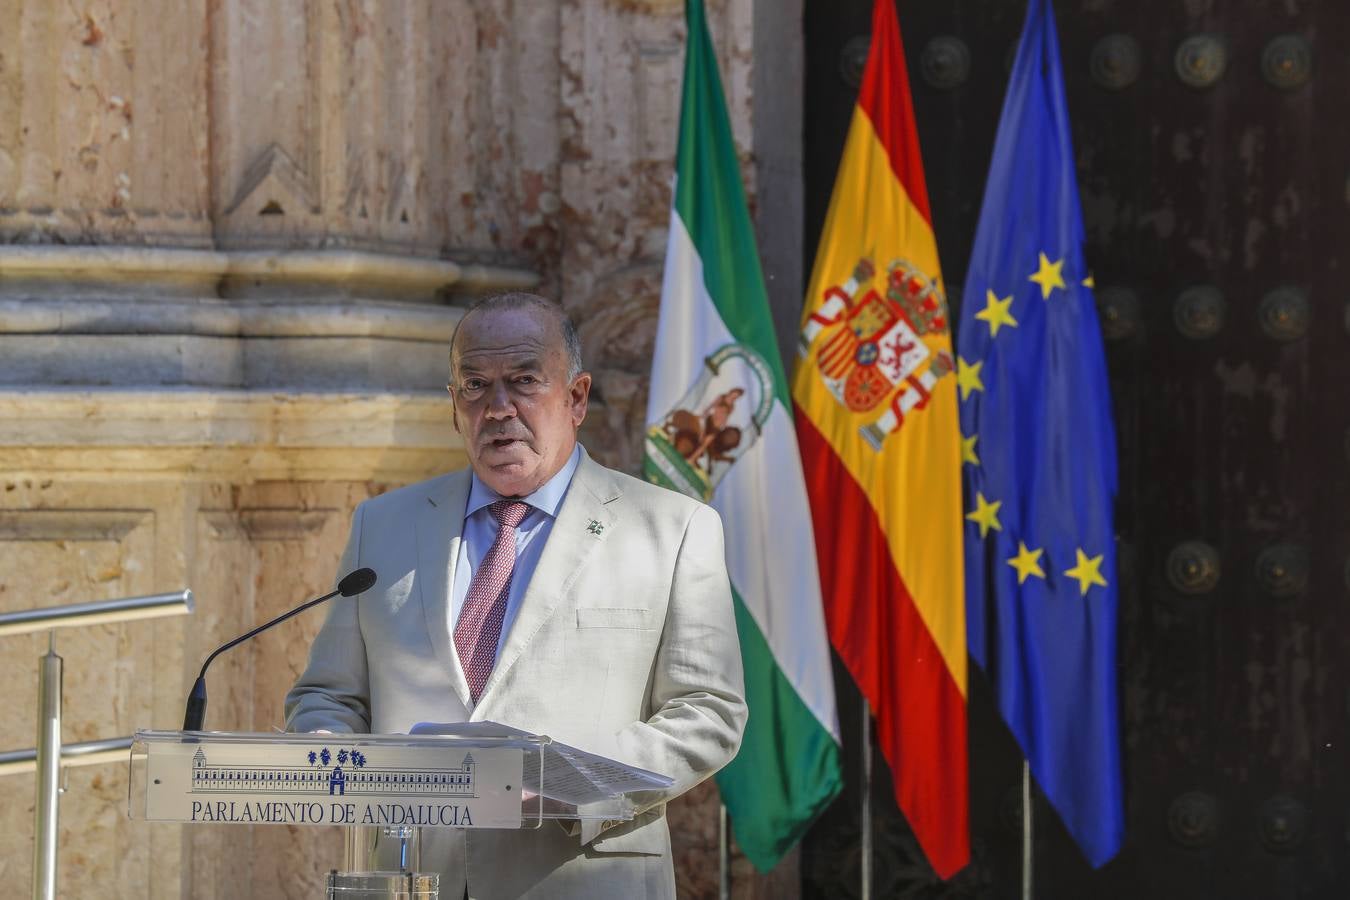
875, 392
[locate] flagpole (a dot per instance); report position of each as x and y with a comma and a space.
723, 854
1026, 830
866, 823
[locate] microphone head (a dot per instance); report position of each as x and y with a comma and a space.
357, 582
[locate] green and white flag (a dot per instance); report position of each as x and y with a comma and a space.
720, 429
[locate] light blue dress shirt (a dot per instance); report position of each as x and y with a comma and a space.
480, 530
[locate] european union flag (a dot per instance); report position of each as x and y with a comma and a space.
1040, 460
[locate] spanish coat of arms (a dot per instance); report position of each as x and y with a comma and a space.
871, 354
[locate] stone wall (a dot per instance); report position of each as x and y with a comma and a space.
234, 238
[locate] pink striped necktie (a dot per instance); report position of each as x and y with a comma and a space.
479, 626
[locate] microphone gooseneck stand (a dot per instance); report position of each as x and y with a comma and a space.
354, 583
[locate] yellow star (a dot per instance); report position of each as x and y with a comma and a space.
996, 313
1027, 562
1087, 572
1089, 282
985, 514
968, 377
968, 449
1048, 276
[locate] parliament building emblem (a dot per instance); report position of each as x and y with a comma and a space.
869, 344
312, 780
333, 774
717, 420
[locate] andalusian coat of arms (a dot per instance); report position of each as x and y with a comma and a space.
717, 420
869, 344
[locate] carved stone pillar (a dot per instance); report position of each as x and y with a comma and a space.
323, 139
248, 194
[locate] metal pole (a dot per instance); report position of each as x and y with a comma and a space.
866, 823
97, 612
85, 753
45, 807
1026, 830
723, 854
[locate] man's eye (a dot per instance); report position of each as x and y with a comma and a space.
527, 379
473, 384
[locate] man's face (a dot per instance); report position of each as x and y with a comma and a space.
514, 406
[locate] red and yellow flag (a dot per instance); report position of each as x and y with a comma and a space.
875, 391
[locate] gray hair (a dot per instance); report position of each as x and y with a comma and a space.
524, 300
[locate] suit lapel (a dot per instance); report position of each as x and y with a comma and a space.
585, 520
439, 523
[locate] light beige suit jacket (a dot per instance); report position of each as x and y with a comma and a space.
625, 645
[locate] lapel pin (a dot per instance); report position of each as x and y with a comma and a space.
595, 527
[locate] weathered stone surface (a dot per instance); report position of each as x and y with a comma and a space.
237, 437
617, 333
103, 122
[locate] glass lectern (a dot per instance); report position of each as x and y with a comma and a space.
383, 788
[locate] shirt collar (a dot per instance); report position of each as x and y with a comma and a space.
547, 498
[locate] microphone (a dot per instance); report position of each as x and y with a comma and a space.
354, 583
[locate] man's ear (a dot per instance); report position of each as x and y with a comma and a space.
578, 396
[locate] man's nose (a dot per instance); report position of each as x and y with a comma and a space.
500, 405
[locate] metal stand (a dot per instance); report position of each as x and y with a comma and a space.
357, 843
1026, 830
723, 854
47, 755
866, 823
367, 848
362, 879
46, 805
383, 886
409, 846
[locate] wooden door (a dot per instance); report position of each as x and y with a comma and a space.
1213, 150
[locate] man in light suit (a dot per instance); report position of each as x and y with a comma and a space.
544, 591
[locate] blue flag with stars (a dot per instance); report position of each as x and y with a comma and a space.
1039, 458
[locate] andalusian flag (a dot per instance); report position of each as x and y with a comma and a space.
877, 421
720, 429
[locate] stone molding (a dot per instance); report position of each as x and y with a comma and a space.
140, 272
70, 524
279, 524
244, 436
222, 318
293, 321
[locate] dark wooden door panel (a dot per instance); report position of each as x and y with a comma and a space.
1213, 151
